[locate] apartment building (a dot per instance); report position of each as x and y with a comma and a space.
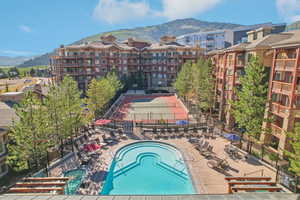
220, 39
230, 63
158, 62
284, 90
279, 53
7, 115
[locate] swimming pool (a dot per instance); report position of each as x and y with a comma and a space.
73, 184
148, 168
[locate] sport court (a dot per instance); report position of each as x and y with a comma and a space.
151, 108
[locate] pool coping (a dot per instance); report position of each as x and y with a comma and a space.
181, 152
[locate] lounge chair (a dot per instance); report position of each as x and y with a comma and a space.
218, 164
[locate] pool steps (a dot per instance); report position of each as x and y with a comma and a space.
160, 163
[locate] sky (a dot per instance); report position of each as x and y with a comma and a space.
33, 27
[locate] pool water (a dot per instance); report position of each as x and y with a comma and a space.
148, 168
73, 184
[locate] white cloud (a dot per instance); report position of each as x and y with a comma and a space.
116, 11
25, 28
16, 53
289, 10
174, 9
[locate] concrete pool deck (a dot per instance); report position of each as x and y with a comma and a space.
206, 180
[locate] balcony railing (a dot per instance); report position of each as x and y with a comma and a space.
276, 129
279, 109
285, 64
282, 87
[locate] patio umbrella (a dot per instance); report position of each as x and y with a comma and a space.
232, 137
182, 122
95, 146
101, 122
88, 148
91, 147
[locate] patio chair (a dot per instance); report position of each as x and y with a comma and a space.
218, 164
204, 148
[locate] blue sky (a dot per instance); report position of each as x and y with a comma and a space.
31, 27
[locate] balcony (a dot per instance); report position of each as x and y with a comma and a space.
220, 86
282, 87
279, 109
276, 130
285, 64
240, 63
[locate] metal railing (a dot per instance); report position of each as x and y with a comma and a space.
254, 172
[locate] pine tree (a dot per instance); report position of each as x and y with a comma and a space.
250, 105
54, 105
183, 83
72, 105
101, 92
29, 137
294, 155
204, 82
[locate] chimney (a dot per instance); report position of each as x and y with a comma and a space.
250, 35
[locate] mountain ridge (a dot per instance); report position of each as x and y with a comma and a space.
148, 33
13, 60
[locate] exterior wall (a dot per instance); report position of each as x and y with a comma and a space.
206, 40
229, 66
284, 97
11, 96
159, 66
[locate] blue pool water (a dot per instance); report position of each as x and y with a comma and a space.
148, 168
73, 184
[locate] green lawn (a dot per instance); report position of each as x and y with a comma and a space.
24, 70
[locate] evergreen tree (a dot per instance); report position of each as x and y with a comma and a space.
54, 105
72, 106
250, 105
294, 155
183, 83
204, 84
101, 92
29, 137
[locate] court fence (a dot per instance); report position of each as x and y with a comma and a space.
147, 116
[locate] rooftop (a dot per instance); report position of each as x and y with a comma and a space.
7, 115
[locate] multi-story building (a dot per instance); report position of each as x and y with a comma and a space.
229, 66
280, 54
220, 39
159, 62
284, 90
7, 115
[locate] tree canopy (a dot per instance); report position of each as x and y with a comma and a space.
249, 105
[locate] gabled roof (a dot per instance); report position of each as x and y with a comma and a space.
292, 39
7, 115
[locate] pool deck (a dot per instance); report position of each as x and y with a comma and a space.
205, 179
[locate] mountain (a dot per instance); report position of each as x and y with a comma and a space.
39, 60
12, 61
148, 33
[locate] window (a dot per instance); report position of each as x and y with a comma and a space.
274, 142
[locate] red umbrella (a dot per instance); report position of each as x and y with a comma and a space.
91, 147
95, 146
87, 148
101, 122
